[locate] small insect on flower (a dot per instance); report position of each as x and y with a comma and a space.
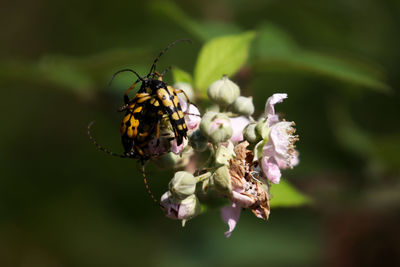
145, 111
154, 103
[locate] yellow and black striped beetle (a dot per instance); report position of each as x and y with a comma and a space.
144, 112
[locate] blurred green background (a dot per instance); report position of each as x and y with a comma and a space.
63, 203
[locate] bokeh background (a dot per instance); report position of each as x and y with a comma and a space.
63, 203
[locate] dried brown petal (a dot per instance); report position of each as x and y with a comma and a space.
261, 208
241, 151
241, 170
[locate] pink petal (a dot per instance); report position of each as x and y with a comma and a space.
241, 199
273, 119
272, 100
295, 159
268, 150
271, 169
282, 163
170, 209
192, 121
178, 149
231, 216
280, 138
183, 211
183, 103
238, 124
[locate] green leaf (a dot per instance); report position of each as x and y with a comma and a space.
285, 195
203, 31
276, 51
223, 55
181, 76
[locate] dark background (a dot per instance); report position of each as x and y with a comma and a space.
62, 203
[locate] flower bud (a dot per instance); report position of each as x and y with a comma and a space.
187, 88
224, 92
182, 185
222, 180
198, 141
214, 108
251, 134
216, 127
224, 154
180, 209
244, 105
173, 161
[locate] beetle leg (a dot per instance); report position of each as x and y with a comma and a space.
141, 97
158, 75
126, 97
177, 91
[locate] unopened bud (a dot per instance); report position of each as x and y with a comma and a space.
223, 92
244, 105
173, 161
251, 134
216, 127
182, 185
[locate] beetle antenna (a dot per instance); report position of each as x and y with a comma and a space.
99, 147
124, 70
153, 67
165, 71
147, 185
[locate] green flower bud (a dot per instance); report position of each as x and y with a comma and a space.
224, 92
187, 88
214, 108
244, 105
182, 185
216, 127
198, 141
172, 161
222, 181
262, 128
251, 134
224, 154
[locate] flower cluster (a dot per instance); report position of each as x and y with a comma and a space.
245, 156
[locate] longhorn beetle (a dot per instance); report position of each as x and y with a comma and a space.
144, 112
